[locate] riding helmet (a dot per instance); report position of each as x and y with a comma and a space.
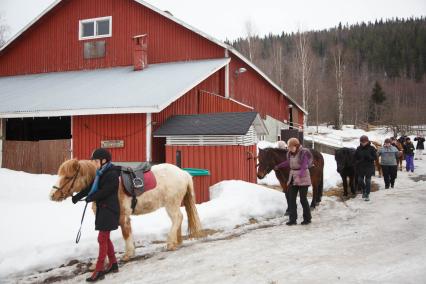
100, 154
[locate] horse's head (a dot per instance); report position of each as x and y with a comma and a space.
344, 158
73, 176
268, 159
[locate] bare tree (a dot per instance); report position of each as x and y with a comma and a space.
3, 31
339, 68
304, 59
251, 35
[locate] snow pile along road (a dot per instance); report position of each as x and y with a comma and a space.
39, 234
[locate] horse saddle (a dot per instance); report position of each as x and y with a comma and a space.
138, 180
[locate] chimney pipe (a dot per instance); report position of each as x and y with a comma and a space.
140, 52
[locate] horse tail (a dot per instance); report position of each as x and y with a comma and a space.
321, 186
194, 224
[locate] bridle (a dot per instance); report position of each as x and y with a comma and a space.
73, 179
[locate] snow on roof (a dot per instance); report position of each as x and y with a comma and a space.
102, 91
182, 23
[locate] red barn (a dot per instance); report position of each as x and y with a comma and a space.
91, 73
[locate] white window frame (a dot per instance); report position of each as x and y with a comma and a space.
95, 20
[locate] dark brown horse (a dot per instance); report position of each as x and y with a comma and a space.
271, 157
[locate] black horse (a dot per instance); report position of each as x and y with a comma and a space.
271, 157
346, 168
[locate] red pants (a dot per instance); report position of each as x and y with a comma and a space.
105, 248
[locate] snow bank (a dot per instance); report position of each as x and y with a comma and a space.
39, 234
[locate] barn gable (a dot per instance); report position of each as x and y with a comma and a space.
170, 39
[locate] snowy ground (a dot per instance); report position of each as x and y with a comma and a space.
381, 241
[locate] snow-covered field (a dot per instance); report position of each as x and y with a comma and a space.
381, 241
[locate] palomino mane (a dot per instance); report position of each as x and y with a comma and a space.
87, 171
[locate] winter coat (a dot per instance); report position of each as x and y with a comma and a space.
300, 162
364, 160
409, 149
389, 156
420, 143
106, 198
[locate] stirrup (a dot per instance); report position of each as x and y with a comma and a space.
137, 182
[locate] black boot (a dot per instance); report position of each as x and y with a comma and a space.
306, 222
291, 223
97, 275
112, 268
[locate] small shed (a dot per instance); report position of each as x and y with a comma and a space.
223, 143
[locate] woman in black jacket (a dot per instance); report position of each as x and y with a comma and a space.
103, 191
365, 155
420, 146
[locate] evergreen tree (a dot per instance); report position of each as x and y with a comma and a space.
377, 99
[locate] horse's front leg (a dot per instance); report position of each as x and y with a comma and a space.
126, 231
314, 195
352, 184
345, 185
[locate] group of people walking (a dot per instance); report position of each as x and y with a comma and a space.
300, 160
365, 157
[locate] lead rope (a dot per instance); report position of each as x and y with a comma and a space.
77, 239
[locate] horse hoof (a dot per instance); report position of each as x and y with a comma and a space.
171, 247
125, 258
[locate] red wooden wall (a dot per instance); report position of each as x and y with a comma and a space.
52, 43
223, 162
210, 103
89, 131
253, 90
187, 104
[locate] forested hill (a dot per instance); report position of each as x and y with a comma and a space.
391, 52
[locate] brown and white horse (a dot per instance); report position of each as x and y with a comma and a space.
174, 187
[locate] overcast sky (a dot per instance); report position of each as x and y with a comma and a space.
226, 18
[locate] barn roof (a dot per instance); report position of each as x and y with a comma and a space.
182, 23
230, 123
102, 91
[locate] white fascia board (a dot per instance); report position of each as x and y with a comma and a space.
226, 62
54, 113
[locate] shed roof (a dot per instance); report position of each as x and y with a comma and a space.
102, 91
230, 123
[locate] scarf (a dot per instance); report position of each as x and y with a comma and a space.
99, 173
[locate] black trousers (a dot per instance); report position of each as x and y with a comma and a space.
389, 174
292, 194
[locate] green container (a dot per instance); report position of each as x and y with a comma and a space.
197, 172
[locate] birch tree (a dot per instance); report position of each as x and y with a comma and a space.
304, 60
339, 68
3, 31
251, 35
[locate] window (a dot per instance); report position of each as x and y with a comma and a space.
95, 28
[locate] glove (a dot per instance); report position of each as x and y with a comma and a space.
75, 199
